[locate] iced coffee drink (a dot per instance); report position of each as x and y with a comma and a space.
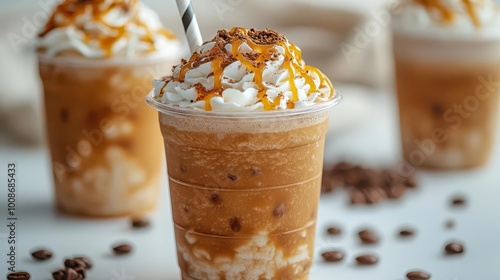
244, 123
447, 57
96, 61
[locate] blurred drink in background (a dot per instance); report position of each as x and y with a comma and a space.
447, 82
96, 61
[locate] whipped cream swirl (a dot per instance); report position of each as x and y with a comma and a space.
105, 28
253, 77
449, 18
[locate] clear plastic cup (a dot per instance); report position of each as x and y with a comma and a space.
244, 189
103, 140
448, 90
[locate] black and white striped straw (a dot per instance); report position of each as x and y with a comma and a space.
190, 23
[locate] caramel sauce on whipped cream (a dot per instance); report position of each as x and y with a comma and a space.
258, 52
100, 24
448, 14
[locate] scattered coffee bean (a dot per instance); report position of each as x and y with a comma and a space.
235, 225
395, 191
232, 177
418, 275
449, 224
458, 201
366, 260
454, 248
411, 182
365, 185
122, 249
139, 222
357, 197
20, 275
255, 171
334, 231
58, 274
215, 198
81, 270
42, 255
406, 232
66, 274
333, 256
368, 237
85, 261
279, 211
76, 262
71, 263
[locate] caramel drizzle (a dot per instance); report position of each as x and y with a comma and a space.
293, 64
447, 14
72, 9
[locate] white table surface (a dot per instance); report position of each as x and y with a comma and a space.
374, 143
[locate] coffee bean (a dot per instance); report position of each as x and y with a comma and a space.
235, 224
343, 166
71, 263
42, 255
418, 275
334, 231
366, 260
58, 274
449, 224
279, 211
406, 232
454, 248
411, 182
396, 191
75, 263
81, 270
66, 274
333, 256
139, 222
368, 237
215, 198
357, 197
329, 183
71, 274
87, 264
20, 275
365, 185
458, 201
232, 177
122, 249
255, 171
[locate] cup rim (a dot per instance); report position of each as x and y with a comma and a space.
178, 111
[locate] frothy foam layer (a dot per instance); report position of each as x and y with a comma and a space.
257, 125
105, 28
244, 70
449, 18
